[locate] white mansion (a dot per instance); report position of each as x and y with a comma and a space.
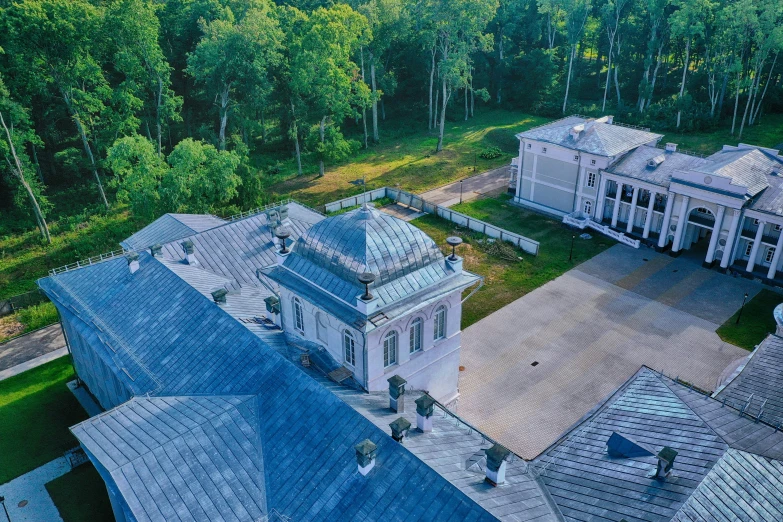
727, 206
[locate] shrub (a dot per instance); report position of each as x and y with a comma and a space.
491, 153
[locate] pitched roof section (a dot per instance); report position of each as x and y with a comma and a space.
636, 165
595, 136
239, 248
167, 456
747, 166
170, 227
589, 485
741, 486
760, 382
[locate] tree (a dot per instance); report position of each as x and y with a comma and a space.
576, 14
656, 10
233, 60
17, 135
612, 12
201, 178
138, 170
687, 22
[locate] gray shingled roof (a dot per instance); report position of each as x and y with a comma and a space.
170, 227
761, 377
634, 165
599, 138
746, 166
741, 486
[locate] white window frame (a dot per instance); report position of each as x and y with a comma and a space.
298, 316
778, 228
590, 181
349, 349
439, 324
416, 335
756, 221
592, 162
543, 150
576, 157
770, 254
390, 345
749, 248
588, 207
529, 145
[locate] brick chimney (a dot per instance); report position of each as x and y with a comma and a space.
365, 456
190, 252
665, 462
496, 464
671, 147
424, 410
400, 429
133, 262
397, 393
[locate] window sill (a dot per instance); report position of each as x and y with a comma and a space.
387, 369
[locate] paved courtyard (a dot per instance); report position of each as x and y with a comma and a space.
589, 331
487, 182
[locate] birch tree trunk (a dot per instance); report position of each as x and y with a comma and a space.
466, 102
684, 74
224, 100
753, 85
364, 110
37, 164
608, 67
431, 119
375, 136
568, 80
86, 144
158, 104
766, 85
295, 132
322, 133
442, 117
437, 106
16, 169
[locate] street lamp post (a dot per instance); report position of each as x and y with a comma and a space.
7, 516
744, 298
571, 254
460, 191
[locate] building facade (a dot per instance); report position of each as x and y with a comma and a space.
727, 207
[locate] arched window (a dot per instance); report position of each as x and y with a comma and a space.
349, 348
390, 349
588, 207
440, 323
298, 315
416, 334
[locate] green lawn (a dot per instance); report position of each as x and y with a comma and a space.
36, 409
80, 495
756, 321
505, 280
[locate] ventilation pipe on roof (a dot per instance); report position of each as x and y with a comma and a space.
400, 428
496, 464
609, 119
133, 262
156, 250
365, 456
282, 234
425, 406
665, 462
219, 295
190, 252
397, 393
671, 147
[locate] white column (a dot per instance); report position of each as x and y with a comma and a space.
599, 204
715, 234
578, 189
667, 217
648, 218
773, 267
682, 222
756, 244
724, 262
632, 213
616, 209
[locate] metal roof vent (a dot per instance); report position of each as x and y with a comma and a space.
366, 278
496, 464
219, 295
656, 161
671, 147
609, 119
190, 252
133, 262
156, 250
625, 447
665, 462
777, 169
365, 456
400, 428
576, 131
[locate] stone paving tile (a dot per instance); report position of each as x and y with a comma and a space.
30, 487
588, 337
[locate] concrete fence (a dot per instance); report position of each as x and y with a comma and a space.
418, 203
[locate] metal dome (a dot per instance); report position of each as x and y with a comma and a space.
367, 240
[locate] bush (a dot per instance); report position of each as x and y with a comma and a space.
38, 316
491, 153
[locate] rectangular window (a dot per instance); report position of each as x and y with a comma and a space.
576, 158
350, 349
591, 179
543, 149
592, 162
770, 254
748, 248
440, 324
390, 349
588, 207
756, 221
416, 336
529, 146
777, 228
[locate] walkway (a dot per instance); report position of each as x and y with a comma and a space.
473, 187
30, 346
587, 332
26, 497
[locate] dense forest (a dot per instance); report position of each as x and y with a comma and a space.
182, 105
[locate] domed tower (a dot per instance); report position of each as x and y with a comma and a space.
379, 295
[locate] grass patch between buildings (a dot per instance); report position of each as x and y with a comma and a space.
756, 321
27, 320
506, 280
81, 495
36, 410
